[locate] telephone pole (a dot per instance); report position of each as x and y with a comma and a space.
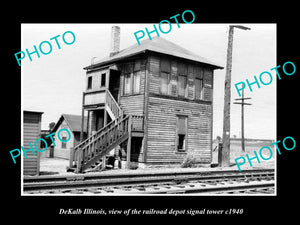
224, 152
242, 120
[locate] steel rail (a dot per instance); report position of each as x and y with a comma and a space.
42, 183
198, 189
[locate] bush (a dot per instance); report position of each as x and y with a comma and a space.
189, 162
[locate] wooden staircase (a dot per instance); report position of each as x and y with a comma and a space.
112, 107
91, 152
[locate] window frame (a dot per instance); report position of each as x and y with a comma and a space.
182, 71
134, 90
103, 75
64, 144
131, 70
165, 68
125, 92
201, 89
199, 75
89, 83
185, 87
185, 145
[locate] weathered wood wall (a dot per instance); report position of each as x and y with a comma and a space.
134, 103
31, 132
96, 78
163, 111
154, 68
162, 122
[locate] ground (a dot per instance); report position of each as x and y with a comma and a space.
250, 147
57, 166
49, 166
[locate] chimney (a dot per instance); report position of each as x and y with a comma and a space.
115, 41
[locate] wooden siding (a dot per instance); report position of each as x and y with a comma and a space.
31, 132
96, 78
94, 98
133, 104
154, 68
163, 111
161, 133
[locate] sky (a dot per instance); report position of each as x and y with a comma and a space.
54, 83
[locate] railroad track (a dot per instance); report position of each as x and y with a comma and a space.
232, 182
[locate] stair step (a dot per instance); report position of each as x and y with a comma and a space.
115, 133
71, 169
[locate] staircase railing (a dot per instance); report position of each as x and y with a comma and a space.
112, 104
110, 136
137, 123
87, 142
89, 151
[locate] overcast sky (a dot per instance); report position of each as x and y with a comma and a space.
54, 83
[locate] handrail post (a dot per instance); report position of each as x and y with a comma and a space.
129, 143
82, 117
71, 157
115, 108
79, 160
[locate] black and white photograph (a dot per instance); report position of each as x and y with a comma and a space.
180, 112
146, 116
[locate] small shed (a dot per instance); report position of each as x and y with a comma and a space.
73, 124
31, 132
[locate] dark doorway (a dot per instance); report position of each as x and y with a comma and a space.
99, 119
114, 83
136, 145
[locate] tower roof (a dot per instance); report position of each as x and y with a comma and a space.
157, 44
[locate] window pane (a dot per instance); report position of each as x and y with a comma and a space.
137, 65
198, 72
63, 144
127, 83
181, 132
208, 76
182, 80
181, 142
103, 79
181, 126
128, 68
182, 69
89, 82
164, 81
198, 88
136, 82
165, 65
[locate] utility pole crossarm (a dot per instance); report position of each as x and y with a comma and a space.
241, 27
242, 98
242, 103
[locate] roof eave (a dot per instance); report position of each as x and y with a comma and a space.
113, 60
116, 59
